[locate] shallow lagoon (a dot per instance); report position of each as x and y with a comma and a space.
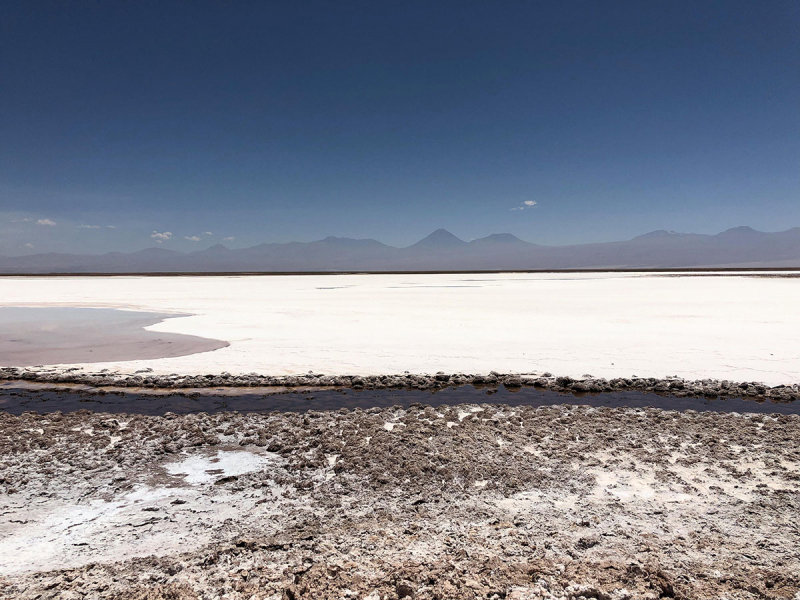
42, 335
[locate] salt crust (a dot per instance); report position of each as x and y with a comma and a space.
610, 325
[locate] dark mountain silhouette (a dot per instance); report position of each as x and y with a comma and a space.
499, 238
441, 239
442, 251
215, 250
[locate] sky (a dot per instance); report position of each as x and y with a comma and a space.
125, 125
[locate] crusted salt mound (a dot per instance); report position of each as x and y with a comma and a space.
675, 386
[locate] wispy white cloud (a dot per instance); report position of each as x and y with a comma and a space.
192, 238
88, 226
25, 220
207, 233
228, 239
47, 222
530, 203
29, 245
111, 226
524, 205
161, 236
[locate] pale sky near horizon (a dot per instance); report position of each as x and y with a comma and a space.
243, 123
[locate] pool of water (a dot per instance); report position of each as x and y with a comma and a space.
47, 335
19, 398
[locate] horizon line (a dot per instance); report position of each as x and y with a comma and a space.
440, 229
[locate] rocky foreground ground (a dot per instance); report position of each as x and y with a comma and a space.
448, 503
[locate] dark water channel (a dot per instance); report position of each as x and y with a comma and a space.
19, 398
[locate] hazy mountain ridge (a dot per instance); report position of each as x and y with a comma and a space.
441, 251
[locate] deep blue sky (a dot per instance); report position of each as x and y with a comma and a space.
278, 121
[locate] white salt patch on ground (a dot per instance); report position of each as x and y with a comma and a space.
197, 470
520, 500
624, 485
52, 533
697, 488
609, 325
63, 529
463, 414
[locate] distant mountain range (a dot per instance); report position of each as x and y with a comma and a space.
442, 251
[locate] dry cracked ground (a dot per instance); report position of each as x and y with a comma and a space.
448, 503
